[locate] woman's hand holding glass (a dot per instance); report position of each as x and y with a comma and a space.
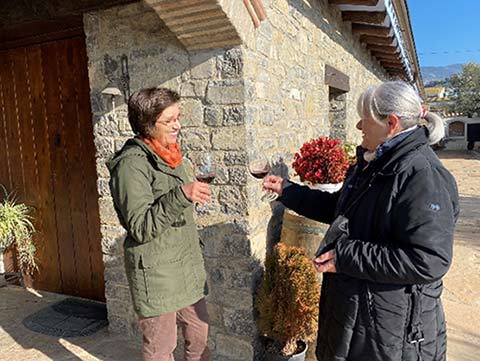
205, 172
273, 183
259, 167
197, 192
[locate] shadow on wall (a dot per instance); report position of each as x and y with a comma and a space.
311, 9
141, 51
233, 276
274, 228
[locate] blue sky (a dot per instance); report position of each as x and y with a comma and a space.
451, 29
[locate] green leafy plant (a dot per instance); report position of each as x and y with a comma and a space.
16, 228
288, 298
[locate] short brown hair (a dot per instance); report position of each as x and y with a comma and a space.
146, 105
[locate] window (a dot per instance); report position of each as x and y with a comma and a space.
456, 129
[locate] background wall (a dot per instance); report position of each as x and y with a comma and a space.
266, 95
287, 102
213, 118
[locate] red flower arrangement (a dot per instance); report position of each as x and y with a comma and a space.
320, 161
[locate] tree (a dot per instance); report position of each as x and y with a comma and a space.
467, 89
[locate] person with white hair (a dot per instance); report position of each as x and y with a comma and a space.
390, 240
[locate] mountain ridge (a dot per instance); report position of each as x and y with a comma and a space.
438, 73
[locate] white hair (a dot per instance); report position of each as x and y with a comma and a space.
400, 99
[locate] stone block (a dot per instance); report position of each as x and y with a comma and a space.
97, 102
233, 347
124, 125
107, 211
233, 200
215, 313
238, 176
239, 322
239, 299
112, 246
234, 116
266, 116
193, 89
264, 45
114, 260
235, 158
113, 231
102, 170
195, 139
225, 92
261, 90
213, 116
106, 127
116, 274
103, 187
104, 147
228, 138
225, 239
230, 64
191, 113
118, 292
203, 70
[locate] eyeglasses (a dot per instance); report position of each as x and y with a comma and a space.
169, 123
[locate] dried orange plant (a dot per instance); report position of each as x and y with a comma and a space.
288, 298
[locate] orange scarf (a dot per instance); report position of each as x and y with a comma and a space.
171, 155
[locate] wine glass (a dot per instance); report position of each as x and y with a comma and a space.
205, 167
259, 167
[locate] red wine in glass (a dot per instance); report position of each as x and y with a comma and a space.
206, 178
259, 173
205, 169
259, 167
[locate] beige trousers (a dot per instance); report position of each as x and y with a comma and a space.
160, 334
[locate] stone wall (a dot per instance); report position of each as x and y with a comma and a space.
267, 95
213, 118
287, 101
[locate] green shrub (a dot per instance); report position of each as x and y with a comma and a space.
288, 298
16, 229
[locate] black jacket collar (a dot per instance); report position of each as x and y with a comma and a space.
398, 157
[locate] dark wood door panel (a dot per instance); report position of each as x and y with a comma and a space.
49, 160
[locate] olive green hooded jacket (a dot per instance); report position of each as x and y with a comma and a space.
163, 257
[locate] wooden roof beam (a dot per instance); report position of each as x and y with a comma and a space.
378, 40
383, 48
397, 73
364, 29
384, 56
391, 65
365, 17
354, 2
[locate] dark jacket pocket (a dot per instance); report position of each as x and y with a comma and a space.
388, 308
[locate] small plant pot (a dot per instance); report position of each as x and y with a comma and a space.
326, 187
300, 356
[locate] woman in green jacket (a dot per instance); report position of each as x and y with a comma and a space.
154, 198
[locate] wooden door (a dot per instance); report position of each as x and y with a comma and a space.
47, 157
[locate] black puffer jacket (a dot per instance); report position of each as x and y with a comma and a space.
384, 301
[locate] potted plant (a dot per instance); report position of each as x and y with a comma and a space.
287, 303
322, 161
16, 230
